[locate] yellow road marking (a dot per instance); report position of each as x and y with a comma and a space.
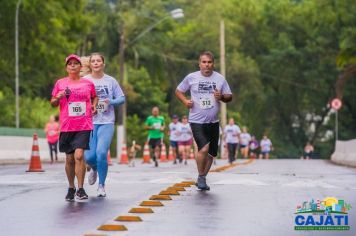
128, 218
170, 192
160, 197
226, 167
140, 210
151, 203
185, 185
112, 228
176, 189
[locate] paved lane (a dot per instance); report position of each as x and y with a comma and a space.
255, 199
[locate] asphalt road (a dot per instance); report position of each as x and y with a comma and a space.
257, 198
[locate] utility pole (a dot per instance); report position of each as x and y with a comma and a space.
223, 72
17, 83
122, 109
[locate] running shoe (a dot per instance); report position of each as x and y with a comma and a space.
201, 184
101, 191
156, 163
185, 162
93, 175
70, 195
81, 194
175, 162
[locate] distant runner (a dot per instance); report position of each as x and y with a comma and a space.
253, 147
266, 147
52, 135
185, 139
245, 139
174, 134
155, 126
231, 138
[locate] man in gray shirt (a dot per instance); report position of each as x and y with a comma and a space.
207, 88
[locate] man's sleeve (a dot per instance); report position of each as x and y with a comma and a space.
225, 89
184, 86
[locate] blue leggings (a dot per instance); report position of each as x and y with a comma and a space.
99, 144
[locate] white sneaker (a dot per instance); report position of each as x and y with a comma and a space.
93, 175
101, 191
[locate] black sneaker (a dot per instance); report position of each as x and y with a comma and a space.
156, 163
70, 195
175, 162
201, 184
185, 162
81, 194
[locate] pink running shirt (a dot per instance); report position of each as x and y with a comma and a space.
52, 133
75, 105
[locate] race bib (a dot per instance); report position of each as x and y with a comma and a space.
206, 103
157, 125
51, 133
76, 108
102, 106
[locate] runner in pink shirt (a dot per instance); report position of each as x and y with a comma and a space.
52, 135
77, 102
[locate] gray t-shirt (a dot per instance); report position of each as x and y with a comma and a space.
185, 132
174, 131
205, 107
232, 133
106, 88
245, 138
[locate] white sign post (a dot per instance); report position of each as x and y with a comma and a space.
336, 105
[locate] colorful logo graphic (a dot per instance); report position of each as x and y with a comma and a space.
328, 214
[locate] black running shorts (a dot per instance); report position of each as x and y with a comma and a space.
206, 133
154, 142
69, 141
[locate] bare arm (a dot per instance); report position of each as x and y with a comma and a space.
55, 99
186, 102
94, 101
222, 97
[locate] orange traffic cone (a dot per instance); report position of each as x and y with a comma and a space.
170, 154
191, 155
109, 159
35, 162
163, 157
146, 154
124, 158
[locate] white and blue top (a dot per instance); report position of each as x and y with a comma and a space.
174, 131
107, 88
232, 133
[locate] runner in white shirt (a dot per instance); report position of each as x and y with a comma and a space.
207, 88
245, 139
231, 139
266, 147
185, 139
174, 135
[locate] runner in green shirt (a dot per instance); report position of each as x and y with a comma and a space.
155, 126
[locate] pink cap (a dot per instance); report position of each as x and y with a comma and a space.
73, 56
